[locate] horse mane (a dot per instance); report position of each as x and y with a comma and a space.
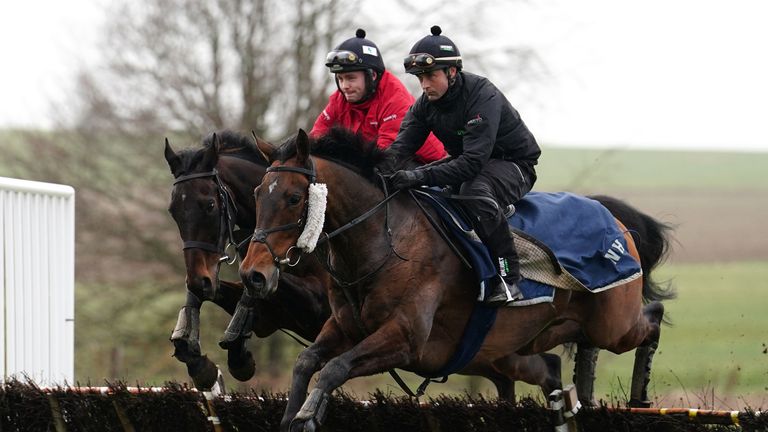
231, 144
236, 145
342, 146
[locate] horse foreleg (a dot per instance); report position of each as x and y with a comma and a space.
641, 374
542, 370
186, 342
239, 359
329, 342
505, 386
385, 349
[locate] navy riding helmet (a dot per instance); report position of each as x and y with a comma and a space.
432, 52
357, 53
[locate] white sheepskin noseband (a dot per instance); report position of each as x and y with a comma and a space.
318, 194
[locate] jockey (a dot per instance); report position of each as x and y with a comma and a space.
493, 152
369, 100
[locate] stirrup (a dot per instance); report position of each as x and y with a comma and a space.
502, 293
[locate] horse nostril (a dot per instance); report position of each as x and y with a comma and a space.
208, 288
256, 280
201, 286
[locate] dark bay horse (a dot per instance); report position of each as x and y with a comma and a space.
199, 207
212, 204
402, 298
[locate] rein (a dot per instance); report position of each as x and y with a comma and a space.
225, 219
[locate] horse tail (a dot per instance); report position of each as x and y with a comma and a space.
652, 238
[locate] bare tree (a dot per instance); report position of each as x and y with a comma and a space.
181, 68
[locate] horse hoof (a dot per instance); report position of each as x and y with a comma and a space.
242, 368
303, 426
311, 415
636, 403
203, 373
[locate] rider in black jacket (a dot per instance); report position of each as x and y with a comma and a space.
493, 153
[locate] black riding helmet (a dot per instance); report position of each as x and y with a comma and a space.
357, 54
432, 52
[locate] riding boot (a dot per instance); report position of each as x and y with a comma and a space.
496, 236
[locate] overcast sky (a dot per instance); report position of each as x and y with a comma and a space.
628, 74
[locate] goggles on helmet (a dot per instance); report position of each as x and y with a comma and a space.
427, 61
340, 59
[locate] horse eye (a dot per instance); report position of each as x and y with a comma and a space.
294, 199
211, 206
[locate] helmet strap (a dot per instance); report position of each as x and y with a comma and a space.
451, 78
370, 85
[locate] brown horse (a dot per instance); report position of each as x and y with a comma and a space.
211, 197
402, 297
212, 204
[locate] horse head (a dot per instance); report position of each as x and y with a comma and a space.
282, 207
202, 208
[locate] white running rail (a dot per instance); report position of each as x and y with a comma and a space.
37, 281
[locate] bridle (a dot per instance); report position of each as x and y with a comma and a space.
260, 234
226, 219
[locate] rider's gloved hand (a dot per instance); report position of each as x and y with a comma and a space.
408, 179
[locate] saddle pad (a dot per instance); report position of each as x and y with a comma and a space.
582, 234
563, 240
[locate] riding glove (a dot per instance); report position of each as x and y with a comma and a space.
408, 179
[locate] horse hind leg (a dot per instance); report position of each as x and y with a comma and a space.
584, 372
641, 373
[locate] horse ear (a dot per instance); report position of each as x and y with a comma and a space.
211, 155
302, 147
264, 147
174, 162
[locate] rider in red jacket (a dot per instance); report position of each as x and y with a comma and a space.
369, 100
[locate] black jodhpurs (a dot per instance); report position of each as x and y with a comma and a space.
503, 183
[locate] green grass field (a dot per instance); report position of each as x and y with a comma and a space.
581, 170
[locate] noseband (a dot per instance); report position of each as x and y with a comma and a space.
260, 234
226, 216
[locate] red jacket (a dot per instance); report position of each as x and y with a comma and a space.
377, 118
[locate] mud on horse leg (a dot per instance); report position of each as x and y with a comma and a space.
186, 342
641, 374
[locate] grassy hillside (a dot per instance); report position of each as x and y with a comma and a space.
593, 170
